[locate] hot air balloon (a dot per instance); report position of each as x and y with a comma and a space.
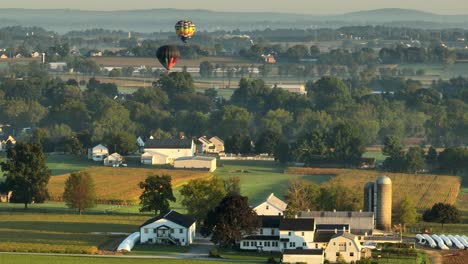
168, 56
185, 30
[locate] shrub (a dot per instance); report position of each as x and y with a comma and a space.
214, 253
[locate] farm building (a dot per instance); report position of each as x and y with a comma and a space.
6, 141
196, 162
218, 143
277, 234
292, 88
272, 206
309, 256
57, 66
360, 223
155, 158
173, 148
170, 228
98, 153
115, 159
345, 245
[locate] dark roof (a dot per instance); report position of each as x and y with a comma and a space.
275, 238
324, 236
332, 227
172, 216
269, 221
169, 143
303, 252
297, 224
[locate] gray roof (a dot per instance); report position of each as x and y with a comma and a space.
174, 217
297, 224
169, 143
344, 234
350, 214
303, 252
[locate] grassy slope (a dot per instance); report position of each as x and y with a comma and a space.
262, 178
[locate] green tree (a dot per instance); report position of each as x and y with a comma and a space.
26, 173
157, 193
230, 221
267, 142
347, 144
200, 196
432, 158
406, 212
277, 120
121, 142
443, 214
329, 92
206, 69
300, 196
80, 191
396, 160
414, 160
232, 120
176, 83
232, 185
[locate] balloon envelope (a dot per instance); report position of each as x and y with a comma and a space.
185, 29
168, 56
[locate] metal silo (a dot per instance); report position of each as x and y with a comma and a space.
369, 199
384, 203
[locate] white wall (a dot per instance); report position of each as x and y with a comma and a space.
297, 239
309, 259
334, 246
196, 164
185, 237
175, 153
266, 208
264, 245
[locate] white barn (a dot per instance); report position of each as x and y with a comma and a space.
98, 153
345, 245
196, 162
155, 158
115, 159
272, 206
172, 148
169, 228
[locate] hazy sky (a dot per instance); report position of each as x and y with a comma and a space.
295, 6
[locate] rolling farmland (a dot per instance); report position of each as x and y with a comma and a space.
424, 189
120, 185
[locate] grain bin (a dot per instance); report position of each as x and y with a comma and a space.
384, 203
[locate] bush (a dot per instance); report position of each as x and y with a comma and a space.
271, 260
214, 253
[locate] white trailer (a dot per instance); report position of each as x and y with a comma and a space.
430, 241
440, 242
455, 241
447, 240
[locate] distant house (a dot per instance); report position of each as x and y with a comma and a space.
35, 54
172, 148
269, 58
170, 228
6, 142
292, 88
272, 206
5, 197
345, 245
114, 160
3, 56
196, 162
19, 56
98, 153
95, 53
204, 145
367, 163
307, 256
218, 143
57, 66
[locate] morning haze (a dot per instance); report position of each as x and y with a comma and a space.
295, 6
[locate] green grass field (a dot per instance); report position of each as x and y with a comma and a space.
260, 178
30, 259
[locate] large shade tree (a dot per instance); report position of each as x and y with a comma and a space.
26, 173
157, 193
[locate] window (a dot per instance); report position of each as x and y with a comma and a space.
316, 245
146, 230
181, 231
155, 231
150, 240
261, 231
289, 233
302, 233
304, 244
272, 231
337, 254
292, 244
172, 231
342, 246
267, 207
349, 243
274, 244
351, 254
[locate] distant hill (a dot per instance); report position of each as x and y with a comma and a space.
154, 20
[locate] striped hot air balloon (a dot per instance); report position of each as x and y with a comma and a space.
168, 56
185, 30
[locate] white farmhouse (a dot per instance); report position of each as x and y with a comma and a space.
170, 228
308, 256
296, 233
345, 245
218, 144
113, 160
98, 153
196, 162
272, 206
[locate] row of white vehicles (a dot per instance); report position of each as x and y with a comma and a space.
443, 242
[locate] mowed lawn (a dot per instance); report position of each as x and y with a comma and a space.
120, 185
63, 233
29, 259
260, 178
425, 190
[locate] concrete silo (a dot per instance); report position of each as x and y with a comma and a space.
384, 203
369, 197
